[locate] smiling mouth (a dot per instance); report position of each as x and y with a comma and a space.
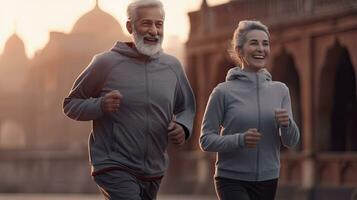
259, 57
151, 40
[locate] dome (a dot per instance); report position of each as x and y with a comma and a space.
97, 22
14, 45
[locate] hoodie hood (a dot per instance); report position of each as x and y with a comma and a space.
128, 49
238, 73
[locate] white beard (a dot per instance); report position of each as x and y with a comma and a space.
146, 49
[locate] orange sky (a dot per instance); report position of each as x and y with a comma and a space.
33, 19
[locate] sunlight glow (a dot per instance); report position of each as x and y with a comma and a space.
33, 20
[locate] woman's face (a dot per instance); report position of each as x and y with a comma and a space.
256, 50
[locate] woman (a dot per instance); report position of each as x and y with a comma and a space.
246, 119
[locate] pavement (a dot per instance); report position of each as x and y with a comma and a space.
91, 197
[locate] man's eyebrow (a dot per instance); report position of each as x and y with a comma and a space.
151, 20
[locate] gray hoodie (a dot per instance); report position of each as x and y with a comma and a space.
247, 100
135, 137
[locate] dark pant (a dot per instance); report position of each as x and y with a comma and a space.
118, 185
230, 189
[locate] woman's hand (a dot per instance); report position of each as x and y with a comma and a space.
252, 137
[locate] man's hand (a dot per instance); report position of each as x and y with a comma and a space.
176, 133
252, 137
111, 101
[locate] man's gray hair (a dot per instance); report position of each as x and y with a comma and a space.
134, 5
240, 36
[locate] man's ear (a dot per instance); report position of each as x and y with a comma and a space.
129, 27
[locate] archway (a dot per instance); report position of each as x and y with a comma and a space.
284, 70
337, 101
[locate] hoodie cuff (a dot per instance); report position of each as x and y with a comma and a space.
98, 106
187, 132
288, 126
240, 138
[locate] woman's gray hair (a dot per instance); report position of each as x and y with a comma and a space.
134, 5
240, 36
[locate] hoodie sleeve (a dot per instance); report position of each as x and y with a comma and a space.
289, 135
210, 139
83, 102
185, 104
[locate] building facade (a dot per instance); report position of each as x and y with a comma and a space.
41, 150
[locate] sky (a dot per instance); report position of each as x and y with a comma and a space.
32, 20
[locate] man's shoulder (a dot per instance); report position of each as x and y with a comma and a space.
107, 57
103, 62
170, 60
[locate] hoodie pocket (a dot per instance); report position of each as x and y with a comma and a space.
125, 145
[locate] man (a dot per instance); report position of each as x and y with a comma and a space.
139, 99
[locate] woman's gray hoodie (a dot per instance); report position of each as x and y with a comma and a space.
154, 89
247, 100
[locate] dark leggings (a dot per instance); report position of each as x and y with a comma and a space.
231, 189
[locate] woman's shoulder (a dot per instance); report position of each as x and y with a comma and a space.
223, 86
220, 89
280, 86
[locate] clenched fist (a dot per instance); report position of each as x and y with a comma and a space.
252, 137
111, 101
282, 117
176, 133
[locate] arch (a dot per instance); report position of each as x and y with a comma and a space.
337, 101
284, 70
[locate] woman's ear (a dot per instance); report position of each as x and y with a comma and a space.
129, 27
239, 52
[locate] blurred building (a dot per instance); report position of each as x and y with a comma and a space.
41, 150
313, 51
15, 64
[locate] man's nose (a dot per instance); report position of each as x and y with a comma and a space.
153, 30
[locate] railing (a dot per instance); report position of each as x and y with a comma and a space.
291, 169
331, 169
45, 171
336, 169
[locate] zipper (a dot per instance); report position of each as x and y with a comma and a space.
146, 115
258, 102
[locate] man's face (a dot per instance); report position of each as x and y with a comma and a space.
147, 30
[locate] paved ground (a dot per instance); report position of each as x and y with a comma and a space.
89, 197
